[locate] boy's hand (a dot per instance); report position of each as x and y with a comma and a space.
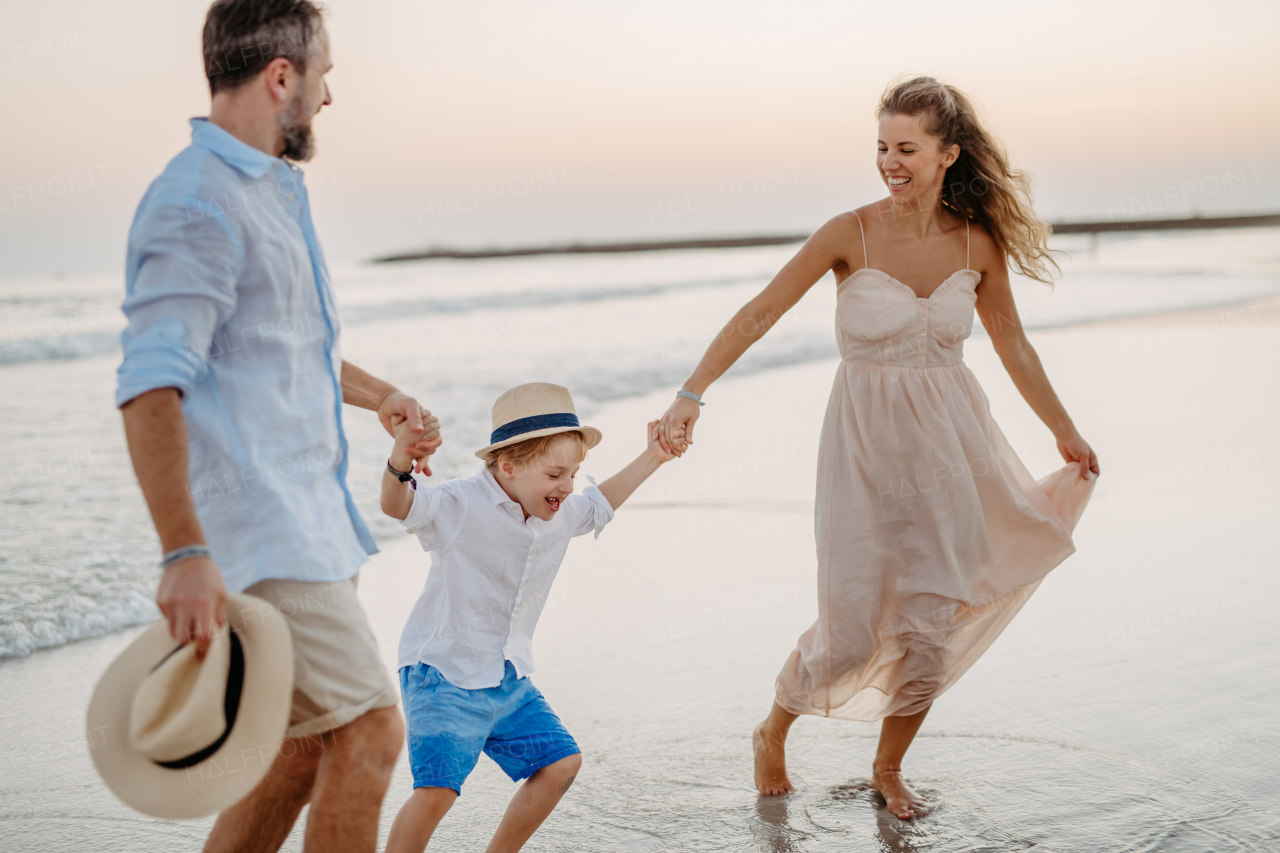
621, 485
675, 430
656, 449
414, 446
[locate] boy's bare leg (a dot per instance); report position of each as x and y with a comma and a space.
261, 821
418, 819
351, 780
896, 735
533, 801
769, 742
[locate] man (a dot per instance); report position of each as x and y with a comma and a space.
231, 389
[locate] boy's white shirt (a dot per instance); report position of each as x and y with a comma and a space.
491, 573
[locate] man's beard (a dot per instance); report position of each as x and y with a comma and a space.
295, 125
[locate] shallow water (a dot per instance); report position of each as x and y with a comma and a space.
77, 551
1131, 706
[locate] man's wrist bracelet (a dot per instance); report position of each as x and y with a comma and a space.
402, 476
183, 553
697, 398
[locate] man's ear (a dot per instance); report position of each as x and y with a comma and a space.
277, 76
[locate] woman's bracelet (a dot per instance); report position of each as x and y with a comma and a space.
183, 553
697, 398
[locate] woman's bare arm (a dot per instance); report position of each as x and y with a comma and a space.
999, 315
823, 250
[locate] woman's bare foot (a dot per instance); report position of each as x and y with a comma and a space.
899, 798
771, 762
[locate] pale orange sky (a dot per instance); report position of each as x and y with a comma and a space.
642, 119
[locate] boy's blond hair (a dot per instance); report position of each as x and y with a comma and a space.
529, 451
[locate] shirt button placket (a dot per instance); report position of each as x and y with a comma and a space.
529, 563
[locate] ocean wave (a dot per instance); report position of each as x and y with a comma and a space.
68, 618
55, 590
59, 347
1111, 295
528, 299
89, 344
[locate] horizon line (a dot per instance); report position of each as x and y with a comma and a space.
445, 253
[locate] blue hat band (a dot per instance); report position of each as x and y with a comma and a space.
531, 424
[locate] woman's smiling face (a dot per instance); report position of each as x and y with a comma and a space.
911, 161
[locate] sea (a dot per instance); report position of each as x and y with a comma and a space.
78, 554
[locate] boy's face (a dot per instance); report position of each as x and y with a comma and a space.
541, 485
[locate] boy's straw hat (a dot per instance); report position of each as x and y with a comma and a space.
534, 410
176, 737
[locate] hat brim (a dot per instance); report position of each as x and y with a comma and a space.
252, 745
592, 434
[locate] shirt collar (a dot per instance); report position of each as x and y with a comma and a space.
232, 151
498, 497
492, 491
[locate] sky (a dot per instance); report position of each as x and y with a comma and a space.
504, 123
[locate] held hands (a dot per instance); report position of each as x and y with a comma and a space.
413, 447
422, 428
1075, 449
675, 429
621, 485
656, 450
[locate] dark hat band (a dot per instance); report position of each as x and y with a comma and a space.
531, 424
230, 706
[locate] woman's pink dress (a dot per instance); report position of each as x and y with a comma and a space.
931, 533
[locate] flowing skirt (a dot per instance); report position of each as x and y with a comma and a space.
931, 535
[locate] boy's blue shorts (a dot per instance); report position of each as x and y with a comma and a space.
449, 727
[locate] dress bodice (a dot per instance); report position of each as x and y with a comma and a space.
881, 322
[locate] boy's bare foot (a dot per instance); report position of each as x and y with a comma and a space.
899, 798
771, 763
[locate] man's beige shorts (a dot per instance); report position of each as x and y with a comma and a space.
337, 672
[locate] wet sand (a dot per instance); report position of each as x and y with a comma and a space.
1132, 705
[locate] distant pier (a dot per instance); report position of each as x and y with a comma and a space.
1196, 222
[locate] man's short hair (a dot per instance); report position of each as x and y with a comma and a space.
241, 37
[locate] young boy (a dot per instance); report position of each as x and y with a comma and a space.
497, 539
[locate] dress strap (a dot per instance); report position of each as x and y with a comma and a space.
966, 244
863, 232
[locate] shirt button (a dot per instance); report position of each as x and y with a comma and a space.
290, 196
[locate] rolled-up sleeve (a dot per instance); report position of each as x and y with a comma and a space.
436, 515
591, 510
182, 272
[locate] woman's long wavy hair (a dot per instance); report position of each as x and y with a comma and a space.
980, 185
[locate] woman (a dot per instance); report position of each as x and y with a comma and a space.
930, 532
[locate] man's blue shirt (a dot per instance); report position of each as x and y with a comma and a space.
228, 300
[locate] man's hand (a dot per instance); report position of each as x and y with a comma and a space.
675, 430
193, 599
407, 441
397, 408
191, 595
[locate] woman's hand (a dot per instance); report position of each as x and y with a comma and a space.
659, 453
675, 429
1075, 449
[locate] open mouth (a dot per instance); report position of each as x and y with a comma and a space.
896, 183
554, 503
